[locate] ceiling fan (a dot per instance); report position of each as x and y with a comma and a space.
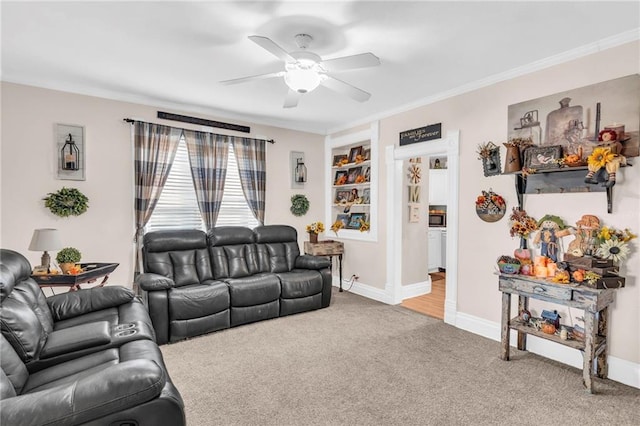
305, 70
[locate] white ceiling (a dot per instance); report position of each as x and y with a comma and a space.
174, 54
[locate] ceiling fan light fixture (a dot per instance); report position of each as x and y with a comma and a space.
302, 80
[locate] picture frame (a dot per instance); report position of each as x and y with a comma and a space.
366, 196
353, 173
70, 160
366, 172
337, 159
354, 220
491, 164
342, 196
366, 154
354, 152
542, 157
340, 174
344, 218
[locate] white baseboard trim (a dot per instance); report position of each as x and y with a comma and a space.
416, 289
365, 290
620, 370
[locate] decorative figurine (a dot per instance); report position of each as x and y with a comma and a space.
550, 229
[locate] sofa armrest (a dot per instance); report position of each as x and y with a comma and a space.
76, 338
152, 282
307, 261
75, 303
114, 389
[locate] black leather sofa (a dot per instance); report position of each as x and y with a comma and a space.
79, 358
196, 283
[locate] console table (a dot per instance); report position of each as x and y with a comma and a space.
327, 248
90, 273
594, 302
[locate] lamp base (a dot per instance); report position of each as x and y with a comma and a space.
45, 261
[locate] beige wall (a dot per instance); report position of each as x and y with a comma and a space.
105, 231
481, 116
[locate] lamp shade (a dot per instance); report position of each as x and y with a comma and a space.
45, 239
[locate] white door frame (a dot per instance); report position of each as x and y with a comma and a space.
394, 157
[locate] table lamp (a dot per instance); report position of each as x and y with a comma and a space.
44, 240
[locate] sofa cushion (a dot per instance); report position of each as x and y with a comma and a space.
254, 290
181, 255
71, 304
300, 283
22, 329
13, 369
198, 300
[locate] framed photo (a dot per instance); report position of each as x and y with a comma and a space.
70, 152
337, 159
342, 196
366, 196
344, 218
354, 172
340, 178
355, 151
542, 157
366, 172
354, 220
366, 154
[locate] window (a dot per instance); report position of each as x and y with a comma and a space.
177, 207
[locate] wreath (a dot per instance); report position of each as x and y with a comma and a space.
67, 202
299, 205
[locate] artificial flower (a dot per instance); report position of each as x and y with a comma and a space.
521, 223
364, 226
600, 156
315, 228
337, 225
614, 249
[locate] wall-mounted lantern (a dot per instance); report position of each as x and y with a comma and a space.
70, 155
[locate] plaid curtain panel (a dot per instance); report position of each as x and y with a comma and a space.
154, 150
251, 156
208, 155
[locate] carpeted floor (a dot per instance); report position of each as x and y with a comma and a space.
360, 362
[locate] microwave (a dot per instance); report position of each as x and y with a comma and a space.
437, 220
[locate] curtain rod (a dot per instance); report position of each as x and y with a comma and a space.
131, 121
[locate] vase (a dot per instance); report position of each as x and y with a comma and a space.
313, 237
66, 267
512, 161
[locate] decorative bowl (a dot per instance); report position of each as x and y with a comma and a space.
509, 268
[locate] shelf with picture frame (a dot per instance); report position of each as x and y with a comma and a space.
351, 190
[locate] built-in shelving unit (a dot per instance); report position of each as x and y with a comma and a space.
351, 190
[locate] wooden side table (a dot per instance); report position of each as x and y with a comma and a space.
91, 272
594, 302
327, 248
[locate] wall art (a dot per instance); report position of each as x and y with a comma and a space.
70, 152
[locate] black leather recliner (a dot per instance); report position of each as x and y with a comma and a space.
85, 357
196, 283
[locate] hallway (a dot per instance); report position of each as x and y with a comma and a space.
431, 304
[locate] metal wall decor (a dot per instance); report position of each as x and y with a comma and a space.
70, 152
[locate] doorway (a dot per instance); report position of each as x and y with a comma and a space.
395, 156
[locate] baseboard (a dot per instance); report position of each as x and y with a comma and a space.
365, 290
620, 370
416, 289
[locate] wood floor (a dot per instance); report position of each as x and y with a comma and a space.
431, 304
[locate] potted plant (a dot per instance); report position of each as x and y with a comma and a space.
67, 258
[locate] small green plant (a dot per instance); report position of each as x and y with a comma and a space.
69, 255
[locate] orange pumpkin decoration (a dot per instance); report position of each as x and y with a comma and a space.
578, 275
548, 328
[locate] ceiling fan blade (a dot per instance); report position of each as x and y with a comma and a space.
272, 47
345, 88
344, 63
253, 78
292, 98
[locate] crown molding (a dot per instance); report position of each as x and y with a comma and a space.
579, 52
